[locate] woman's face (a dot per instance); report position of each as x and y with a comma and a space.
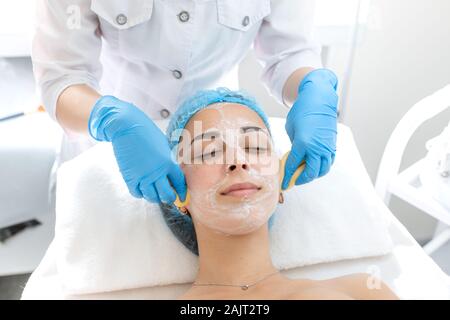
231, 169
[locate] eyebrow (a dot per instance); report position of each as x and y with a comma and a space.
209, 134
252, 128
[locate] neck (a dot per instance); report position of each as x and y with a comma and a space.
237, 260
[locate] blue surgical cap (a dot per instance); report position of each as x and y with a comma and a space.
203, 99
181, 225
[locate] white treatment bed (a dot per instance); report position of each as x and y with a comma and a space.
407, 270
410, 272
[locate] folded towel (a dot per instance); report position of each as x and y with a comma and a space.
106, 240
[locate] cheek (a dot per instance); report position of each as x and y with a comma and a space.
269, 168
201, 177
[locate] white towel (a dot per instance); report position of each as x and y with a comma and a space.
106, 240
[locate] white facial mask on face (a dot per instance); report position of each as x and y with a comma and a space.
227, 214
239, 215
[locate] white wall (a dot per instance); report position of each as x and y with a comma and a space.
403, 57
406, 59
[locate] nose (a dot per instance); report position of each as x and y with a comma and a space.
233, 167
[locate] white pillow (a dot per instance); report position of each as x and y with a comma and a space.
107, 240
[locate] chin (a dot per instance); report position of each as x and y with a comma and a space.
239, 228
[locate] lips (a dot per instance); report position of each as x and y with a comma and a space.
241, 189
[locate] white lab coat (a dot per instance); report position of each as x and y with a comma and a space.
155, 53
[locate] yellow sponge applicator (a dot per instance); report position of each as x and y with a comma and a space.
180, 204
296, 174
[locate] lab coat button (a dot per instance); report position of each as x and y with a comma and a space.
183, 16
165, 113
121, 19
177, 74
246, 21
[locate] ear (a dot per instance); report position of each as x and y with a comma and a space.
183, 210
281, 198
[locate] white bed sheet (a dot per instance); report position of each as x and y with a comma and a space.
408, 271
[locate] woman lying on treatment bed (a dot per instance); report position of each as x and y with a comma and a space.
222, 141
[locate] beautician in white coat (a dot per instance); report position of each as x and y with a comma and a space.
107, 68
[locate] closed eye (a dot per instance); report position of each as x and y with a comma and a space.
209, 155
256, 149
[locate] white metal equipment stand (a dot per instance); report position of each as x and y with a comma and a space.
406, 184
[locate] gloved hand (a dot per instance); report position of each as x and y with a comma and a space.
312, 127
141, 149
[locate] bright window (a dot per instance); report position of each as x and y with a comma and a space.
16, 26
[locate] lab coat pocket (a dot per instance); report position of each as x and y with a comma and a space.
242, 15
124, 25
121, 14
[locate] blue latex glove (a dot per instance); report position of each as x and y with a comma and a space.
141, 149
312, 127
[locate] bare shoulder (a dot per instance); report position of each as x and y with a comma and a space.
200, 294
190, 295
362, 286
308, 289
318, 293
